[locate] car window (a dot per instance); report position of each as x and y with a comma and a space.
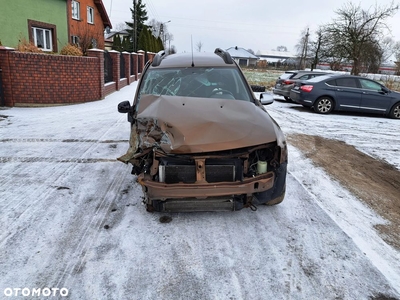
346, 82
331, 82
370, 85
208, 82
286, 76
304, 77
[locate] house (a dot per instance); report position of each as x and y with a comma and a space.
87, 20
109, 38
275, 56
242, 57
44, 22
51, 24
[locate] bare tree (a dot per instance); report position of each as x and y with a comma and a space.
199, 45
89, 38
281, 48
160, 29
120, 27
357, 29
396, 52
302, 47
315, 49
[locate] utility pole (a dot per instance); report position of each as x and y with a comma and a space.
134, 26
304, 52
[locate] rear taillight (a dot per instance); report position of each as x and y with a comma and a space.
288, 82
306, 88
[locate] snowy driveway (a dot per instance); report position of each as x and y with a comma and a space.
72, 218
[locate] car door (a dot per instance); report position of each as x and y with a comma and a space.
348, 94
374, 98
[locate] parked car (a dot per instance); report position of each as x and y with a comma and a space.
200, 140
347, 93
286, 81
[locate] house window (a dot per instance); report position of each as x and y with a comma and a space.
74, 40
43, 35
90, 15
42, 38
75, 10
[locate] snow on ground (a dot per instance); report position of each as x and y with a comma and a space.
72, 217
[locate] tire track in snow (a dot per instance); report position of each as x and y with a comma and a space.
44, 189
92, 229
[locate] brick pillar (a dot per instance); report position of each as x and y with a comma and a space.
141, 61
100, 69
135, 65
150, 56
127, 57
116, 65
6, 74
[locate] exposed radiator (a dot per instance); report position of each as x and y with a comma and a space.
223, 170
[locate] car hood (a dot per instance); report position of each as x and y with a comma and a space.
195, 125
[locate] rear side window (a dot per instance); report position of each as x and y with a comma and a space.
347, 82
286, 75
331, 82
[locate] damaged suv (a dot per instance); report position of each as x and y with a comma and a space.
200, 140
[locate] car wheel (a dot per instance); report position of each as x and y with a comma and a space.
288, 99
323, 105
277, 200
395, 111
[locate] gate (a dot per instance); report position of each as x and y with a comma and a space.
2, 100
108, 72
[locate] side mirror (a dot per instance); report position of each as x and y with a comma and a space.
385, 90
266, 98
124, 107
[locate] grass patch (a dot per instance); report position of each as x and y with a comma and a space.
265, 78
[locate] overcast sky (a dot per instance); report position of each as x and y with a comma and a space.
255, 24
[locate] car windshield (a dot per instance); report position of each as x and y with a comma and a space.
207, 82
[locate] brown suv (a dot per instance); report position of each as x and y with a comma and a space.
200, 140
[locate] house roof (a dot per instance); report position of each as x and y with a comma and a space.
121, 32
237, 52
103, 13
276, 54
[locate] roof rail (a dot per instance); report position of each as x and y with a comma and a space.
224, 55
158, 58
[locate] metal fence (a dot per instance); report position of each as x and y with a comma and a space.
108, 72
122, 66
132, 62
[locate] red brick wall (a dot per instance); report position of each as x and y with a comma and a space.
31, 79
53, 79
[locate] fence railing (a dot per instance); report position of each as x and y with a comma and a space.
108, 67
122, 67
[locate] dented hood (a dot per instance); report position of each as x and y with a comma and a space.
194, 125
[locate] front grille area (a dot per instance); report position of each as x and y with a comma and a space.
172, 170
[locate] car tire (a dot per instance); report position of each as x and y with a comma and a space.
278, 199
258, 88
323, 105
288, 99
395, 111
